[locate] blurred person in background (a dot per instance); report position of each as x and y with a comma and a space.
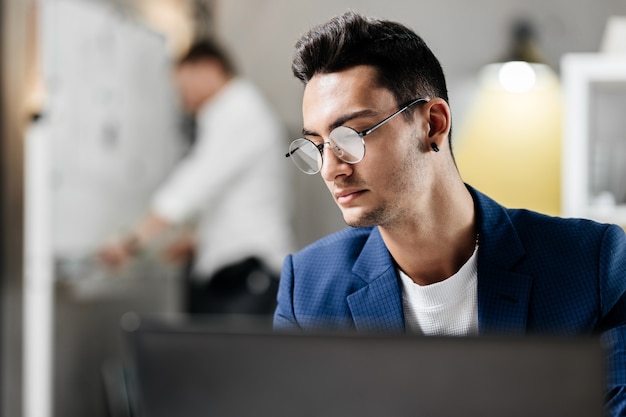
231, 183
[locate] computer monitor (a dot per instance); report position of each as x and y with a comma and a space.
188, 368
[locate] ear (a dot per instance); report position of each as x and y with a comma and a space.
440, 121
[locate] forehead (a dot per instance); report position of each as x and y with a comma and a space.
331, 95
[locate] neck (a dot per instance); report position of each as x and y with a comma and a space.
433, 245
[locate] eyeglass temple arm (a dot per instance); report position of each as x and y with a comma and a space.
385, 120
319, 147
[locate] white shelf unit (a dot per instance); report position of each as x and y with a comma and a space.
594, 137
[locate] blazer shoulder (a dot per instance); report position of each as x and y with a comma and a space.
350, 239
572, 227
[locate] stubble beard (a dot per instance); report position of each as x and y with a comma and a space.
389, 213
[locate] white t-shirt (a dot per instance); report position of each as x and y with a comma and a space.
234, 181
449, 307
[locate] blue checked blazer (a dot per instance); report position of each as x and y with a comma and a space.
536, 274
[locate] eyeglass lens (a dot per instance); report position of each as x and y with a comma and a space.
345, 143
350, 146
306, 155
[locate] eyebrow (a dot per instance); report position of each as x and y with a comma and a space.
341, 121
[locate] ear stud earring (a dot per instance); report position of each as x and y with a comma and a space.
434, 146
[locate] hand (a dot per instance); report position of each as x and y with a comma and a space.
181, 250
119, 252
116, 254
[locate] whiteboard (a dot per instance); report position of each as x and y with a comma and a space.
112, 117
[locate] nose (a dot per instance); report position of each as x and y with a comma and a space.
332, 167
336, 150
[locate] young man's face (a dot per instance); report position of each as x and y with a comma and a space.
385, 187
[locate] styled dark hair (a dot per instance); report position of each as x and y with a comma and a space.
404, 63
208, 49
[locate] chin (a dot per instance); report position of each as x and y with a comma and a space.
358, 221
357, 217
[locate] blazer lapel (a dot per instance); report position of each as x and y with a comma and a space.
503, 294
377, 306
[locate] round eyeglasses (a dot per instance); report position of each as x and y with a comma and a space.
346, 143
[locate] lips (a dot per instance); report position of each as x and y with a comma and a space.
347, 196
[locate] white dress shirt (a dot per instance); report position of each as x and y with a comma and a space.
234, 179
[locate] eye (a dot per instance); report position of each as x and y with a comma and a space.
317, 141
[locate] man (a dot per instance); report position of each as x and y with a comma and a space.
237, 192
427, 253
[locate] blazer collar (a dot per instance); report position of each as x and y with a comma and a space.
377, 306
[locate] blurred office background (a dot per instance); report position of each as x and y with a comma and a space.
90, 126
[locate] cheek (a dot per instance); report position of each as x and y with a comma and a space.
382, 159
404, 165
329, 185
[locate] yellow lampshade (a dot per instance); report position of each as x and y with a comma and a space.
510, 143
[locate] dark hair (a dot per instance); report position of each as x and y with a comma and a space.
404, 63
207, 49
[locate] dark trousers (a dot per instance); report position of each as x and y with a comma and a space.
247, 287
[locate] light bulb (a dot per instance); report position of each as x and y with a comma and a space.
517, 76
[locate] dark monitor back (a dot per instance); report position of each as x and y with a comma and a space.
189, 369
